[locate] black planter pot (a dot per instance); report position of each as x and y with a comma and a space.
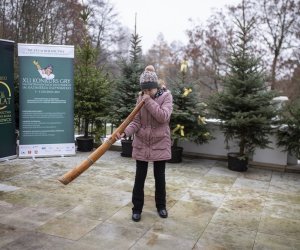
176, 155
85, 144
126, 148
236, 163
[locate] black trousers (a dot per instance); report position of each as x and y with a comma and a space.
159, 168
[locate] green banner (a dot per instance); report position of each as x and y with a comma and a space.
46, 100
7, 108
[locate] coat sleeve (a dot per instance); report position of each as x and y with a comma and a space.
161, 113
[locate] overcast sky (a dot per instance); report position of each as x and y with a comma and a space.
169, 17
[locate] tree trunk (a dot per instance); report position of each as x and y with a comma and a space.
273, 72
242, 146
175, 143
86, 127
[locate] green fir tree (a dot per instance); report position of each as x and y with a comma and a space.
188, 117
289, 133
91, 84
127, 86
244, 106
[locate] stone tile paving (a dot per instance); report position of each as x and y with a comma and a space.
210, 207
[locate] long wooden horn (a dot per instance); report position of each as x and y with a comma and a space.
92, 158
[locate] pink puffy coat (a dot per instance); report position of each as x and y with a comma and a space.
152, 137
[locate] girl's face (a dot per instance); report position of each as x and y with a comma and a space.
150, 92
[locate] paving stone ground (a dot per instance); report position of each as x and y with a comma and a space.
210, 207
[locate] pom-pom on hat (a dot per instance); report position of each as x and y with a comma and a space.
148, 79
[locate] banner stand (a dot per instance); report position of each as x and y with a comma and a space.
46, 111
8, 142
8, 158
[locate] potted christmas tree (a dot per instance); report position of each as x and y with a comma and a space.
289, 133
244, 106
91, 89
127, 89
188, 116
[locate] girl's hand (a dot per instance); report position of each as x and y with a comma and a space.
145, 97
119, 136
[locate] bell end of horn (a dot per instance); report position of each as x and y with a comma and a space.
63, 180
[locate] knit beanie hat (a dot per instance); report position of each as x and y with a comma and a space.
148, 79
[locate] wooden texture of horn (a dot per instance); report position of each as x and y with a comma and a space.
92, 158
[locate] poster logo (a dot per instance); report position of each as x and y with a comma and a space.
5, 95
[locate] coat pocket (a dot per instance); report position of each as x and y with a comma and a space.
160, 135
161, 150
160, 146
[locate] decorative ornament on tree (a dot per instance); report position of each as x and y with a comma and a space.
186, 92
184, 66
201, 120
180, 129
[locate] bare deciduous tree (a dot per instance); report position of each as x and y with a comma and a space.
278, 19
207, 52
